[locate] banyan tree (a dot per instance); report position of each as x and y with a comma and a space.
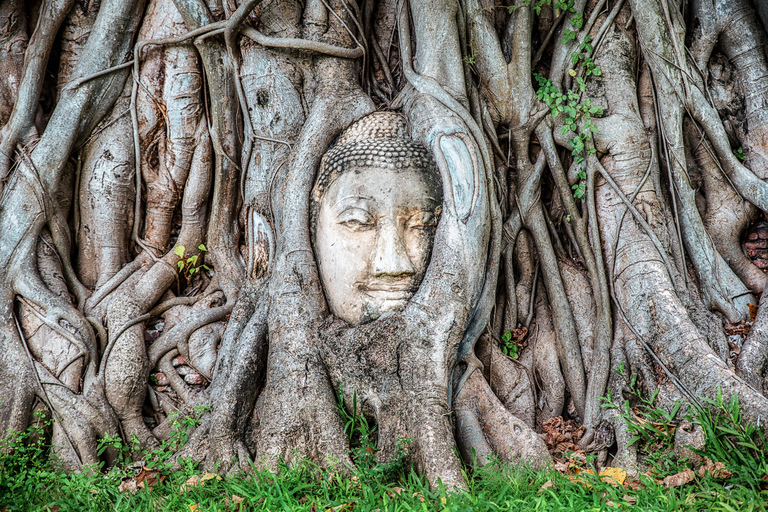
461, 218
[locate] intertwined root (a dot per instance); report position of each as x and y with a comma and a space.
623, 275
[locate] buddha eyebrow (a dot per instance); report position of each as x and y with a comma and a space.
355, 199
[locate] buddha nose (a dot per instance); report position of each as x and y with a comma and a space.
390, 257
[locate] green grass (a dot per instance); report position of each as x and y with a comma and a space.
29, 483
300, 488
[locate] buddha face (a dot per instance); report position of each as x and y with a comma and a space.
374, 230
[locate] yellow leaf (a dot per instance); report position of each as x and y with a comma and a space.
613, 476
196, 480
547, 485
344, 507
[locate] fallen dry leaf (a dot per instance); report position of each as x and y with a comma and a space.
144, 479
635, 485
547, 485
198, 480
127, 484
678, 479
237, 504
420, 496
344, 507
752, 311
629, 499
194, 508
394, 491
561, 436
613, 476
716, 469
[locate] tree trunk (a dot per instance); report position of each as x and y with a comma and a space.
268, 208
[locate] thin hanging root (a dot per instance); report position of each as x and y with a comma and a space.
154, 312
74, 84
180, 332
111, 285
532, 298
430, 86
101, 332
61, 241
473, 363
230, 33
181, 388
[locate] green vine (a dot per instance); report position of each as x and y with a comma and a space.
578, 114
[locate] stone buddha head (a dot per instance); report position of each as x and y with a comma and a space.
374, 210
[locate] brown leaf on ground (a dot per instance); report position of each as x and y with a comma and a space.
518, 336
127, 484
394, 491
145, 478
561, 435
752, 311
237, 504
716, 469
561, 438
547, 485
678, 479
635, 485
738, 328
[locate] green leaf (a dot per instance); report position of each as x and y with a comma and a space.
192, 259
506, 336
202, 247
180, 264
192, 270
179, 250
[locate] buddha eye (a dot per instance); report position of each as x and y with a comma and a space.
421, 220
356, 219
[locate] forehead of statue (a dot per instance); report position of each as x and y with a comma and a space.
408, 188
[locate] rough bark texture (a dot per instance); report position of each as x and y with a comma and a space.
158, 160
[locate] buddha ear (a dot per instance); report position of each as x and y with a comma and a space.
456, 156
